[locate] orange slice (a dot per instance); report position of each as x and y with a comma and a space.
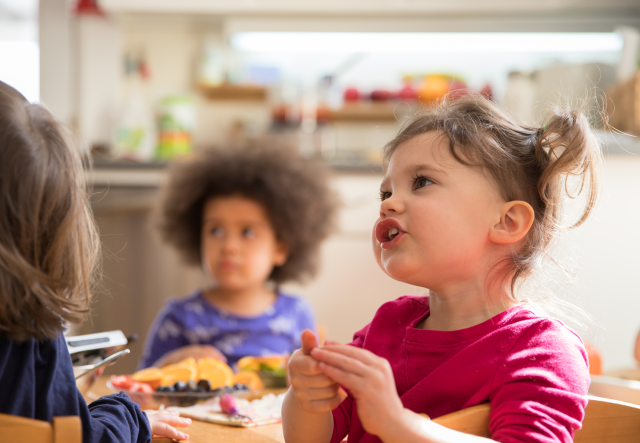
177, 372
249, 378
216, 372
151, 376
272, 361
248, 363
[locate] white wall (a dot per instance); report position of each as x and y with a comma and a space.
606, 249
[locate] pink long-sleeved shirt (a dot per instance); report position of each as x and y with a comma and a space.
532, 369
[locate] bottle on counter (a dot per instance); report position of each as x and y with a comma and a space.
176, 124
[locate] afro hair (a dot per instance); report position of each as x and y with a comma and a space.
294, 191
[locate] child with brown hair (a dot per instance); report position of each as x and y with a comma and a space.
49, 252
471, 201
252, 218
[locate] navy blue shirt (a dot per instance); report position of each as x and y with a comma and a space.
37, 381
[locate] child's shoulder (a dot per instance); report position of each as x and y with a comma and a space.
298, 304
542, 337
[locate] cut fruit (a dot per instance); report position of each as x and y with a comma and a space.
249, 378
177, 372
248, 363
217, 373
256, 363
152, 376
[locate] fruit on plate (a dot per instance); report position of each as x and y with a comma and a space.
177, 372
249, 378
151, 376
217, 373
262, 363
122, 381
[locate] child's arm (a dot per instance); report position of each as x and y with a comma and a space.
306, 411
370, 381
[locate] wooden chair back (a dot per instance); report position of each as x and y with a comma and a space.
20, 429
606, 421
615, 388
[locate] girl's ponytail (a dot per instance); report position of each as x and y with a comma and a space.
566, 150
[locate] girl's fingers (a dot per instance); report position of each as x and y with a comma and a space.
348, 379
171, 418
344, 362
319, 393
366, 357
164, 430
311, 381
305, 365
326, 405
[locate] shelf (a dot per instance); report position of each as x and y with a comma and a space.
235, 92
371, 111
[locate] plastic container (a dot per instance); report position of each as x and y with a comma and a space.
176, 123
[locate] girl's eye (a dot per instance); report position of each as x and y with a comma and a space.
384, 195
248, 233
421, 182
217, 232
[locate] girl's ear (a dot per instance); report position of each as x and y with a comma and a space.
516, 218
281, 254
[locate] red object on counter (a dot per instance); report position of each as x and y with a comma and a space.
380, 95
351, 95
88, 7
407, 93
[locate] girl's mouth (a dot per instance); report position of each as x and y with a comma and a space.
388, 233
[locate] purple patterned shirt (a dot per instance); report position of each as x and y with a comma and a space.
195, 321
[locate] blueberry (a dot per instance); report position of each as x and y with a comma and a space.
204, 384
227, 389
181, 386
245, 387
169, 389
238, 387
192, 386
161, 389
200, 390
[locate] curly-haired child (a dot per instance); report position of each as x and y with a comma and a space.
252, 219
48, 257
471, 201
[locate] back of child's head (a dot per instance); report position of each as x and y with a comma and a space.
530, 164
48, 242
294, 192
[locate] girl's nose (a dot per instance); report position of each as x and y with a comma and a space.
391, 205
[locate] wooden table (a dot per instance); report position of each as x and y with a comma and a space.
202, 432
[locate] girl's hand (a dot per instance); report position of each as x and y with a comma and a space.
195, 351
370, 381
314, 390
163, 422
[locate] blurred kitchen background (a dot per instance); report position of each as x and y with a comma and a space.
145, 81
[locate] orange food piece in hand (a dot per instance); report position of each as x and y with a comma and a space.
249, 378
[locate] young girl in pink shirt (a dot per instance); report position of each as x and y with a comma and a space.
471, 201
